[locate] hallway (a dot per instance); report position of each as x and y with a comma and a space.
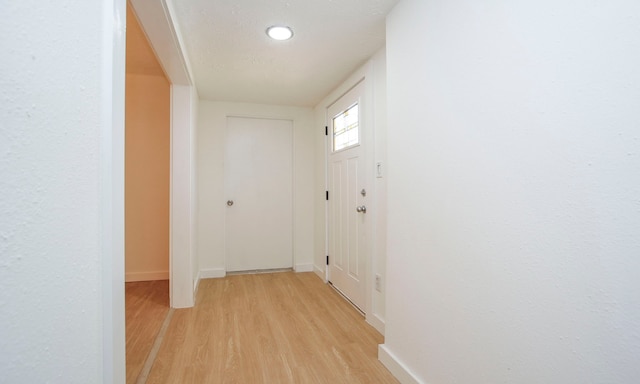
267, 328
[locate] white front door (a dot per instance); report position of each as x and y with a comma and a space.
258, 186
347, 197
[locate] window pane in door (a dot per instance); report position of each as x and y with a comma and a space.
345, 128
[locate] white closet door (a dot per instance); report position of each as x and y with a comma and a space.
259, 190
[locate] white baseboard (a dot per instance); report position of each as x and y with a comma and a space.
320, 272
146, 276
397, 369
376, 322
303, 267
213, 273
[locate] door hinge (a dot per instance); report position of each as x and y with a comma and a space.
327, 259
327, 195
326, 130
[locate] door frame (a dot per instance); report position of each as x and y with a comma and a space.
112, 190
155, 18
363, 75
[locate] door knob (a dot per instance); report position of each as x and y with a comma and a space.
229, 202
362, 209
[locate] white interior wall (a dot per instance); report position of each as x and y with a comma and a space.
182, 207
212, 199
513, 192
379, 62
374, 75
62, 188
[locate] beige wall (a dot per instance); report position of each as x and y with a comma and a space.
147, 149
146, 178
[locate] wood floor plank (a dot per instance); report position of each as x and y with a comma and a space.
146, 305
269, 328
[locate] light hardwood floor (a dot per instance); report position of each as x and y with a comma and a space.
269, 328
146, 305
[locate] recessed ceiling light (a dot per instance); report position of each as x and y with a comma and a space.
277, 32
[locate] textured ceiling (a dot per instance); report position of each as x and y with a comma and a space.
233, 59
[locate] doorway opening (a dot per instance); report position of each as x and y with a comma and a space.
147, 197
